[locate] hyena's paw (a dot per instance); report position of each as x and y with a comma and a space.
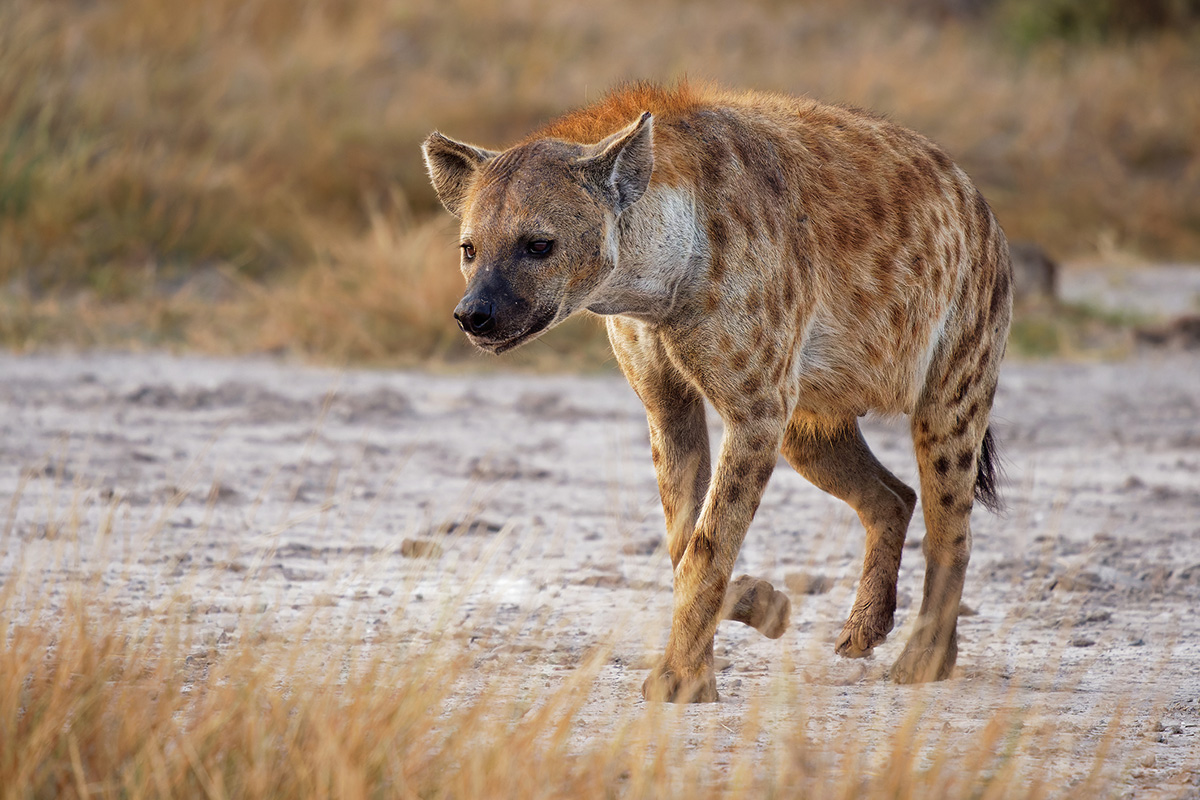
758, 604
926, 659
669, 685
861, 633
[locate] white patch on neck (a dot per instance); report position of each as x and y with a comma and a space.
652, 246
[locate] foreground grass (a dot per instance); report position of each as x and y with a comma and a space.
99, 701
157, 160
94, 704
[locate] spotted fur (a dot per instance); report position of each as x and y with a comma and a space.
797, 265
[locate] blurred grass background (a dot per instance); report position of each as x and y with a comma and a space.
244, 175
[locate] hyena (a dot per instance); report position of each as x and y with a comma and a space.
798, 265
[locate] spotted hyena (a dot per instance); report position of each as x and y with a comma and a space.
798, 265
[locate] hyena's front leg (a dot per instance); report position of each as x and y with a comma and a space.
678, 430
747, 458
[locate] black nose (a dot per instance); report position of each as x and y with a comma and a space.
476, 318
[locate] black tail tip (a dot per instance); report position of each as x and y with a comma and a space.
986, 491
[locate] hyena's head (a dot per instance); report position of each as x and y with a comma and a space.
539, 225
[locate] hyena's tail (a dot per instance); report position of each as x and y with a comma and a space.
986, 491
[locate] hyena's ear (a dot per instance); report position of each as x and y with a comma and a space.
623, 163
452, 166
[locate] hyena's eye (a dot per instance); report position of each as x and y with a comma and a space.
540, 247
468, 251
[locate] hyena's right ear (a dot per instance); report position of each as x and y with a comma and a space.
452, 166
623, 163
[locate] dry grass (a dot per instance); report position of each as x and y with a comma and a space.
96, 702
146, 147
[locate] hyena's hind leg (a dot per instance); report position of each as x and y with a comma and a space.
836, 459
956, 459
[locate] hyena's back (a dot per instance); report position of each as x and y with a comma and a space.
859, 238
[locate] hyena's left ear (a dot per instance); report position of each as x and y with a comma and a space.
623, 164
452, 166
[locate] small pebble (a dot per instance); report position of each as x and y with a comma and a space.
805, 583
420, 548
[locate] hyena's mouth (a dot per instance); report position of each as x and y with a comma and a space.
498, 346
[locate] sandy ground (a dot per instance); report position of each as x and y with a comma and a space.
257, 485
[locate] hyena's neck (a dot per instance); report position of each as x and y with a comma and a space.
657, 247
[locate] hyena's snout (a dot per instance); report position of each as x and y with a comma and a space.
489, 306
476, 315
496, 317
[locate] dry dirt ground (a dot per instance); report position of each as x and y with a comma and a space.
520, 515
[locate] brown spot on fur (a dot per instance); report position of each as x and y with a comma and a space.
752, 384
961, 391
764, 474
876, 208
753, 303
981, 209
861, 301
947, 500
716, 270
969, 342
927, 170
745, 467
789, 289
733, 492
703, 547
714, 159
943, 161
966, 460
762, 442
739, 361
942, 465
999, 294
764, 408
745, 220
718, 233
985, 358
848, 234
774, 307
961, 426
